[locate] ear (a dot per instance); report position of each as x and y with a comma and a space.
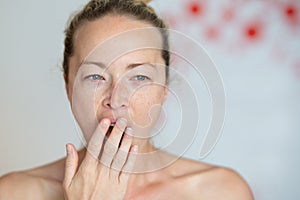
67, 88
166, 91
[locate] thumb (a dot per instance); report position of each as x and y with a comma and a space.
70, 165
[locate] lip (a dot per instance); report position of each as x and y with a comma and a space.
113, 123
112, 119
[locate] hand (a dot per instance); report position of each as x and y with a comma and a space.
105, 179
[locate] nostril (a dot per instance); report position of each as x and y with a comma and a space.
115, 102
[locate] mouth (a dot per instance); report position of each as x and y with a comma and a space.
111, 127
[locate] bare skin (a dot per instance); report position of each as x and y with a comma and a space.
184, 179
72, 178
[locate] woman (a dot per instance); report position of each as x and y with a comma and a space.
115, 89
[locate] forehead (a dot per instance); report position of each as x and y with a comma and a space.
113, 36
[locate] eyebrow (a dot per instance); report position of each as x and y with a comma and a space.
130, 66
99, 64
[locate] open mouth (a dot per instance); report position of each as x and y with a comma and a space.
111, 127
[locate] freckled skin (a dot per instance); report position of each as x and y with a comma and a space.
144, 102
184, 179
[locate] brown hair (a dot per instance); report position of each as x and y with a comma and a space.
96, 9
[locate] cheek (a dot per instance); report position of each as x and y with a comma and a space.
83, 108
145, 106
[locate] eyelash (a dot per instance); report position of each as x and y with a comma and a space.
144, 78
97, 77
93, 77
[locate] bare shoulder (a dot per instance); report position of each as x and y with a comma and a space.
213, 182
228, 183
29, 185
17, 185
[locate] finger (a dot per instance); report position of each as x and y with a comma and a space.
122, 154
129, 164
70, 165
111, 146
96, 141
117, 132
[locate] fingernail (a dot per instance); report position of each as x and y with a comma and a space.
69, 149
135, 149
104, 123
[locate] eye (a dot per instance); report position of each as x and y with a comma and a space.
95, 77
140, 78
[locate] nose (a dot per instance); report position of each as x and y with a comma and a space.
116, 96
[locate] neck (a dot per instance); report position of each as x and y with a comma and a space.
148, 162
144, 147
148, 158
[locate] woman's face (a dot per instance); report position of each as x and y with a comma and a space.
114, 78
